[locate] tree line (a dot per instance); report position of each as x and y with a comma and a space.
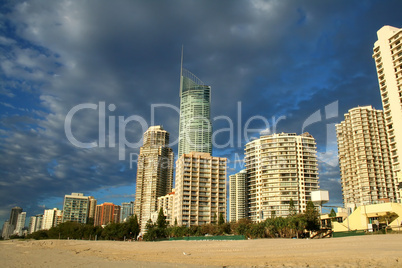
75, 230
294, 225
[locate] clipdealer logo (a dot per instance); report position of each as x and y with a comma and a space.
116, 137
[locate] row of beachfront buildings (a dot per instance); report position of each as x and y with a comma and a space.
280, 168
76, 207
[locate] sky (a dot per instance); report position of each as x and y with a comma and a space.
80, 81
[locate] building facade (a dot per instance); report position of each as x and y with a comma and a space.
166, 202
237, 196
154, 173
280, 168
15, 212
127, 210
35, 223
387, 53
32, 225
399, 188
106, 213
6, 230
92, 207
200, 189
195, 128
364, 158
20, 224
369, 217
75, 208
50, 218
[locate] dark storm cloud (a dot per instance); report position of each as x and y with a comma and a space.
279, 58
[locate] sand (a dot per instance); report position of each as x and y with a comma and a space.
358, 251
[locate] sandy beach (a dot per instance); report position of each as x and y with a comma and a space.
358, 251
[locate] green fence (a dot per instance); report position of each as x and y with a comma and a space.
217, 237
349, 233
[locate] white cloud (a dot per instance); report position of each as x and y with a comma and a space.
6, 41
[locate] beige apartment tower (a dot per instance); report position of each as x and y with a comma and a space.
364, 158
280, 167
154, 173
387, 53
200, 189
237, 196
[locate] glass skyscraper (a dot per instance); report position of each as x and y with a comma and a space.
195, 130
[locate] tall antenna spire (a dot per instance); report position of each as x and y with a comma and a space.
181, 70
181, 63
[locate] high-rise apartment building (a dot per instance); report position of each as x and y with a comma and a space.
237, 196
20, 223
6, 230
195, 128
127, 210
280, 167
92, 207
106, 213
15, 212
50, 217
364, 158
200, 189
387, 53
35, 223
31, 224
154, 173
166, 202
75, 208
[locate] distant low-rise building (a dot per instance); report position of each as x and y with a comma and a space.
367, 218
